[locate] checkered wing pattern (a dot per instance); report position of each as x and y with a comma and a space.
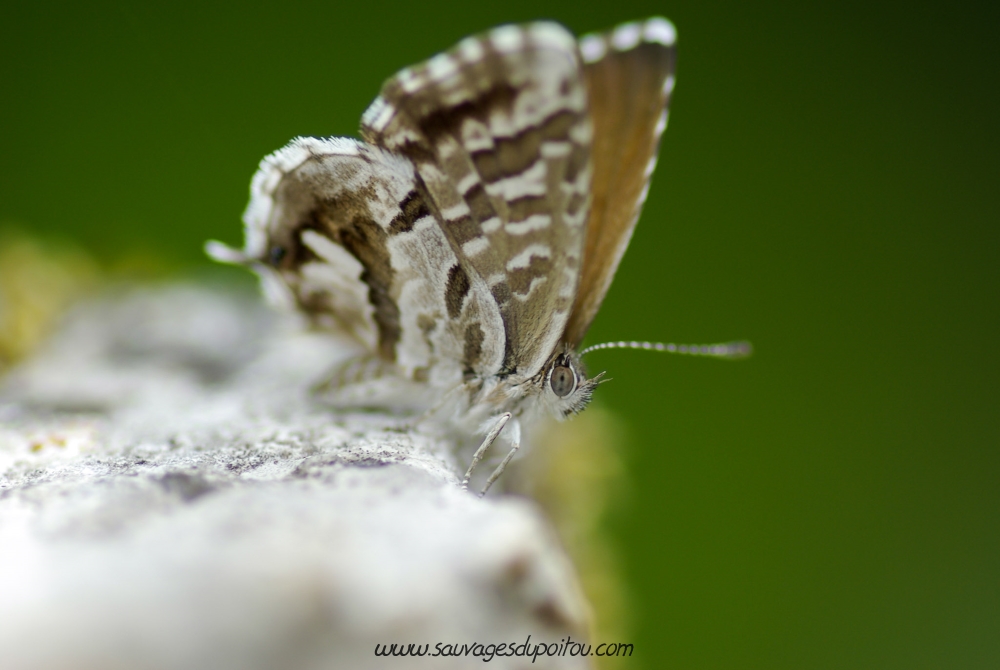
499, 135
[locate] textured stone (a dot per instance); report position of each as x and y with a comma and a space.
172, 496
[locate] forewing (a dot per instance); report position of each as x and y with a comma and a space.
630, 76
498, 132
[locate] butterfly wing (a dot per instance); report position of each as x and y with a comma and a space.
630, 76
340, 229
455, 246
499, 135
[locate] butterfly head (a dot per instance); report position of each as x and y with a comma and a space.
565, 388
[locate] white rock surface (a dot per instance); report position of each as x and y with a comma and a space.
171, 496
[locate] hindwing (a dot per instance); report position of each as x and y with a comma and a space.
344, 226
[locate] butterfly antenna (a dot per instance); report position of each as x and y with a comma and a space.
731, 350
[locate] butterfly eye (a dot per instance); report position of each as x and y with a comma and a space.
562, 380
277, 253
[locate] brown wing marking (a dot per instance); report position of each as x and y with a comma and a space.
498, 132
345, 228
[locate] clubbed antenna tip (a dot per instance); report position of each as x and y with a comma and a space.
730, 350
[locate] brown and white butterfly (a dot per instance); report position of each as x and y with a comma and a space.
469, 240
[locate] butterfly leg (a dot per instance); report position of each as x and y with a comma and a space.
481, 451
515, 440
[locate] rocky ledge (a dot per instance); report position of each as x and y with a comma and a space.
172, 496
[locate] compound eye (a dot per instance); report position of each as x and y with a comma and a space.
276, 254
562, 381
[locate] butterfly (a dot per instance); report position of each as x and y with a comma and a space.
468, 240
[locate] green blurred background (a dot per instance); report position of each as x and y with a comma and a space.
827, 188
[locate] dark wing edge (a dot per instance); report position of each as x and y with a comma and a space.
630, 78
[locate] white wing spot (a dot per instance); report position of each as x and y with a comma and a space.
650, 167
476, 136
523, 259
491, 225
447, 147
471, 50
661, 124
644, 194
374, 109
456, 211
592, 48
475, 246
660, 30
534, 222
409, 80
552, 33
555, 149
529, 182
668, 84
501, 125
378, 114
507, 38
467, 182
441, 67
626, 36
